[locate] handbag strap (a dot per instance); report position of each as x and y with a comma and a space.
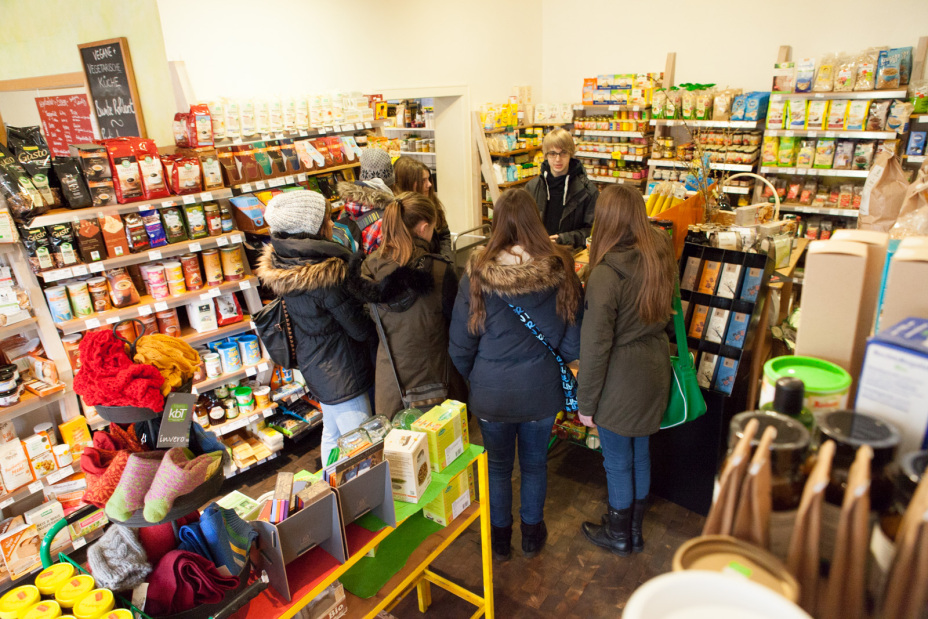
679, 328
568, 382
386, 345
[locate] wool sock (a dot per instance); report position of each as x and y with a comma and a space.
180, 472
101, 487
134, 484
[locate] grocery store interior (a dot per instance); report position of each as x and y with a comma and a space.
262, 269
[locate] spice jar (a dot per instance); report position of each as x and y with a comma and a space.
225, 215
850, 430
213, 218
905, 477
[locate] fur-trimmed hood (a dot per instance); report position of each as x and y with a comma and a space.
292, 266
529, 277
364, 195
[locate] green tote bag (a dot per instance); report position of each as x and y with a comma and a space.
686, 402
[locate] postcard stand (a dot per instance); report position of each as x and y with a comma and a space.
369, 492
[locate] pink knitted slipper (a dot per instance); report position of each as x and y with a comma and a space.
178, 474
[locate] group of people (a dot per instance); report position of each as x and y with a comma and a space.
391, 323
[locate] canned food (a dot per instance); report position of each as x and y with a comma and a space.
177, 287
81, 304
155, 274
230, 357
168, 322
250, 349
151, 324
160, 291
58, 303
212, 267
193, 278
127, 331
233, 269
173, 270
99, 295
213, 365
262, 396
72, 348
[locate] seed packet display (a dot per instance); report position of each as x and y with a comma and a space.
706, 371
698, 322
737, 329
750, 288
725, 376
710, 277
715, 327
728, 282
688, 282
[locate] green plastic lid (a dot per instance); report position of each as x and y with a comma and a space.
819, 376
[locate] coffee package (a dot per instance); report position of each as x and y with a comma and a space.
199, 126
122, 289
135, 233
74, 190
16, 187
152, 222
31, 151
102, 193
63, 245
114, 236
151, 171
185, 175
94, 161
212, 171
89, 237
173, 223
38, 248
126, 173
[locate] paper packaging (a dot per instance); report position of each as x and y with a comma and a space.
248, 213
202, 316
20, 549
282, 491
446, 428
410, 470
14, 466
835, 277
894, 382
454, 499
906, 294
44, 517
76, 433
114, 236
39, 452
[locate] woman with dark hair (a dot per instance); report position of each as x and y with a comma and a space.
625, 373
413, 175
516, 388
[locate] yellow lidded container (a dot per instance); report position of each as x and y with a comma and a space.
73, 590
16, 602
95, 604
53, 577
67, 617
44, 610
119, 613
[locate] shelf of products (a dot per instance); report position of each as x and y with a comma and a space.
241, 421
193, 338
28, 402
418, 154
293, 179
301, 133
709, 124
852, 135
407, 130
611, 134
815, 210
616, 181
867, 94
617, 156
18, 327
815, 172
246, 371
518, 151
28, 490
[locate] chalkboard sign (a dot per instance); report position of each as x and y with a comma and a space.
110, 79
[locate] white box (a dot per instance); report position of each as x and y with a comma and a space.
410, 468
202, 316
44, 517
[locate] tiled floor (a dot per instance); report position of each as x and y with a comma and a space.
571, 577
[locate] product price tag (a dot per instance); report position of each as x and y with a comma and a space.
205, 296
236, 238
289, 180
112, 320
337, 128
6, 503
194, 391
175, 422
215, 292
244, 285
189, 199
80, 542
276, 182
161, 306
143, 207
154, 255
819, 95
261, 185
367, 125
262, 461
301, 177
92, 323
788, 134
303, 134
268, 412
830, 134
237, 141
813, 134
279, 135
222, 241
78, 271
326, 129
54, 276
265, 136
95, 267
35, 487
59, 475
250, 370
206, 196
194, 247
145, 310
246, 188
262, 367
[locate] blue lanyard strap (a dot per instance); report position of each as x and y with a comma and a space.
568, 382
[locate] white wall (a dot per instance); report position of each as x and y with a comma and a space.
726, 42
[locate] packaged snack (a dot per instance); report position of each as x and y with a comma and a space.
816, 115
837, 111
905, 65
805, 73
866, 70
845, 74
899, 113
846, 195
89, 240
890, 145
797, 113
199, 126
674, 106
122, 289
62, 245
127, 178
825, 74
153, 227
262, 115
335, 149
916, 145
863, 155
228, 310
794, 189
787, 152
755, 107
248, 168
857, 115
246, 117
825, 153
74, 189
196, 221
784, 76
808, 192
738, 106
658, 101
135, 233
770, 152
212, 171
889, 66
689, 105
844, 154
311, 158
180, 130
173, 223
806, 154
262, 159
879, 110
323, 149
776, 113
185, 175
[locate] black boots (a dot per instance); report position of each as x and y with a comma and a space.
638, 510
501, 542
533, 538
613, 534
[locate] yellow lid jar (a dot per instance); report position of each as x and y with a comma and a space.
15, 603
119, 613
53, 577
95, 604
73, 590
44, 610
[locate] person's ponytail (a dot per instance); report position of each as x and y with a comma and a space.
400, 218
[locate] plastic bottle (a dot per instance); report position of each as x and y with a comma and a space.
788, 399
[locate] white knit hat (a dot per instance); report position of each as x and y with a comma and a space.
295, 212
375, 163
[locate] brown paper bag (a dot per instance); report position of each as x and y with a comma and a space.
752, 521
883, 193
721, 516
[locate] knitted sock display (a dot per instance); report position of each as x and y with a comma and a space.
135, 481
178, 474
101, 487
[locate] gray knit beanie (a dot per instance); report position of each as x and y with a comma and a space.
118, 561
296, 211
375, 163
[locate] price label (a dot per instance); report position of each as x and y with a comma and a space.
168, 203
194, 247
161, 306
215, 292
205, 296
276, 182
79, 270
265, 136
206, 196
819, 95
303, 134
154, 255
237, 141
236, 238
326, 129
92, 323
263, 367
59, 475
189, 200
222, 241
367, 125
80, 542
615, 108
788, 134
268, 412
337, 128
246, 188
263, 460
289, 180
95, 267
250, 370
830, 134
143, 207
301, 177
244, 285
279, 135
112, 320
194, 391
54, 276
145, 310
813, 134
261, 185
35, 487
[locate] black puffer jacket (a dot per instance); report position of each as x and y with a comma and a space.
579, 201
334, 335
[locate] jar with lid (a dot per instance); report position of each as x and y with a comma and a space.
851, 430
225, 217
213, 218
906, 476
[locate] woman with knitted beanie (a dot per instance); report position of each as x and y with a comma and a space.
413, 175
412, 290
334, 335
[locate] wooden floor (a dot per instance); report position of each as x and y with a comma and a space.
570, 578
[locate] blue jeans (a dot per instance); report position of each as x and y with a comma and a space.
339, 419
628, 467
500, 439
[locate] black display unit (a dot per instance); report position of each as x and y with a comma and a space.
731, 287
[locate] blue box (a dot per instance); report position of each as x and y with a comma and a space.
750, 288
725, 375
737, 329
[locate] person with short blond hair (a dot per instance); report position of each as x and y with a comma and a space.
565, 195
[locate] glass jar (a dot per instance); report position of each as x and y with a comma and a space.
905, 477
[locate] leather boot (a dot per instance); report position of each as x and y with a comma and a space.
614, 535
639, 509
533, 538
501, 542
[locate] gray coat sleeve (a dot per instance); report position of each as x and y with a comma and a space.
597, 332
462, 344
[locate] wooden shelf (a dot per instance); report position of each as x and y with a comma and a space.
241, 421
414, 153
36, 486
166, 251
513, 183
868, 94
612, 108
289, 179
620, 156
709, 124
249, 370
148, 305
815, 172
66, 215
613, 134
816, 133
193, 338
29, 402
18, 327
518, 151
303, 134
617, 181
820, 210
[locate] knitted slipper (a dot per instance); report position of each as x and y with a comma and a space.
101, 488
135, 481
178, 474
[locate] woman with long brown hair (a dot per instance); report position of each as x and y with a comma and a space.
520, 277
625, 370
413, 175
413, 292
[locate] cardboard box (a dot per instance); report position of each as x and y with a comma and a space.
894, 381
834, 324
454, 499
248, 214
14, 466
906, 290
410, 470
39, 452
20, 549
44, 517
446, 428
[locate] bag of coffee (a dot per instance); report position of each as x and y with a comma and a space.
135, 233
94, 161
38, 248
102, 193
74, 189
114, 236
199, 126
63, 246
153, 227
126, 173
185, 175
24, 200
89, 240
212, 171
173, 224
31, 150
150, 169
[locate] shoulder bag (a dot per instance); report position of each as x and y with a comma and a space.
276, 332
568, 381
686, 402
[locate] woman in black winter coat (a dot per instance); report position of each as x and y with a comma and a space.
333, 334
515, 381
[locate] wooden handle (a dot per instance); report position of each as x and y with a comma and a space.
752, 522
722, 513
